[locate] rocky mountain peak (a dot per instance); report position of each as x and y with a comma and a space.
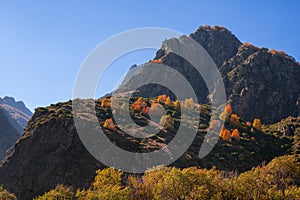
16, 111
218, 41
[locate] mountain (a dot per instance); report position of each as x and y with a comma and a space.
50, 151
17, 112
258, 82
14, 117
8, 134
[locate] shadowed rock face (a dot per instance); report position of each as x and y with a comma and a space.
8, 134
220, 43
259, 83
14, 117
49, 152
17, 112
262, 85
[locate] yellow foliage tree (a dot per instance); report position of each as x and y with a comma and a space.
177, 105
190, 103
167, 121
109, 124
257, 124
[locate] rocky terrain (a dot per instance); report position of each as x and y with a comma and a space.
260, 83
255, 79
18, 113
14, 117
8, 134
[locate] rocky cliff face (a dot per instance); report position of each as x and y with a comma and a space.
14, 117
262, 83
259, 82
8, 134
18, 113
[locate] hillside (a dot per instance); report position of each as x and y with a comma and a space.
57, 155
261, 119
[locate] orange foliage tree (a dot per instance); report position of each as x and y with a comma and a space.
248, 124
277, 52
257, 124
159, 61
105, 102
228, 109
109, 124
168, 101
145, 110
234, 120
139, 105
162, 98
235, 134
225, 134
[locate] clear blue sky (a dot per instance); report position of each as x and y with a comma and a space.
43, 43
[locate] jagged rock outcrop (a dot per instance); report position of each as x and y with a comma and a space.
258, 82
8, 134
17, 112
220, 43
262, 84
13, 119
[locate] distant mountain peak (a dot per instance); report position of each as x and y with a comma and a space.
17, 112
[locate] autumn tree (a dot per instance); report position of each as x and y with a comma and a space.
228, 109
177, 105
5, 195
107, 185
252, 184
225, 134
61, 192
159, 61
161, 98
167, 121
139, 105
257, 124
234, 120
168, 101
190, 103
105, 102
109, 124
235, 134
